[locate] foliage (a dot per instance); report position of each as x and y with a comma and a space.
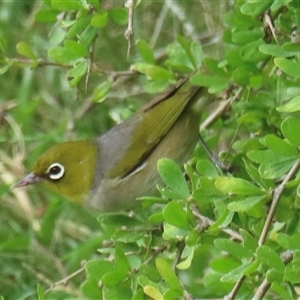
213, 231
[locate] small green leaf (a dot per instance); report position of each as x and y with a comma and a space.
288, 242
269, 257
215, 83
40, 292
277, 145
79, 26
246, 204
292, 106
46, 16
23, 48
175, 215
247, 36
273, 50
281, 291
167, 274
118, 15
78, 70
91, 289
114, 277
145, 51
76, 48
288, 130
173, 177
250, 54
62, 55
99, 20
236, 274
232, 248
288, 66
153, 292
154, 72
255, 7
96, 268
101, 91
184, 265
238, 186
207, 169
66, 5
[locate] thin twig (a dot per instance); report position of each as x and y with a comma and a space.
206, 222
276, 197
65, 280
129, 31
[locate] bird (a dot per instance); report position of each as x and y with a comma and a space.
110, 172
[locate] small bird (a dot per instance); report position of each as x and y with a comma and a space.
111, 171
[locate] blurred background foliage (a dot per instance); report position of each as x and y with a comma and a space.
67, 73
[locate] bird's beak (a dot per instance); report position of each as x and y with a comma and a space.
28, 179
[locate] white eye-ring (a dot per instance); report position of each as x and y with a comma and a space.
56, 171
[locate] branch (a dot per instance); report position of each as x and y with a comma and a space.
129, 31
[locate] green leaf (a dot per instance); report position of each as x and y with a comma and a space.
78, 70
255, 7
187, 46
207, 191
173, 177
101, 91
119, 291
40, 292
236, 186
175, 215
46, 16
91, 289
292, 106
96, 268
207, 169
281, 291
23, 48
99, 20
167, 274
279, 146
62, 55
269, 257
118, 15
236, 274
247, 36
232, 248
66, 5
273, 50
79, 26
246, 204
184, 265
288, 66
250, 54
215, 83
114, 277
76, 48
145, 51
153, 292
288, 242
288, 130
154, 72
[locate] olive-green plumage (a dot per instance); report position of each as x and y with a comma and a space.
109, 173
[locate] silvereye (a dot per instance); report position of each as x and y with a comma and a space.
110, 172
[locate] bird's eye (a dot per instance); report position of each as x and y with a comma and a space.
56, 171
